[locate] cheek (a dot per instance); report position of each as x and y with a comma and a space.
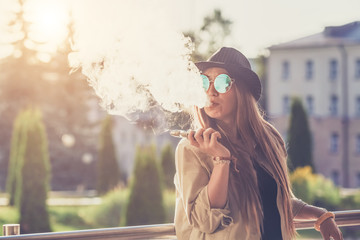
230, 108
231, 103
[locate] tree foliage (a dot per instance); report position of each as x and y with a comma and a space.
34, 175
168, 165
211, 36
145, 203
63, 98
314, 188
299, 137
16, 154
261, 62
108, 169
19, 72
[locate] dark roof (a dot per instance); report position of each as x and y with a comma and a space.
331, 36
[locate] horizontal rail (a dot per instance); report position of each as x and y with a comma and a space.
342, 218
162, 231
134, 232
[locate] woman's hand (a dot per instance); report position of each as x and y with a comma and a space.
207, 141
329, 229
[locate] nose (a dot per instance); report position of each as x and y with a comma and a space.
212, 91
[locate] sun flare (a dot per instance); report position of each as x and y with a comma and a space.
49, 22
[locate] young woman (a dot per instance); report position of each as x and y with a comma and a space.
231, 174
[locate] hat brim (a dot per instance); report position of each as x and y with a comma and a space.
239, 73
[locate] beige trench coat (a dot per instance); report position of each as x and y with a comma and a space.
194, 219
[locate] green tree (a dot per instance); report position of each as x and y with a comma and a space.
299, 137
261, 62
168, 165
33, 184
212, 35
20, 73
67, 112
108, 169
63, 98
145, 203
16, 154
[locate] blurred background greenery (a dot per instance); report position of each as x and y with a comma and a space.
76, 153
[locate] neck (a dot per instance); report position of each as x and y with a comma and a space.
229, 127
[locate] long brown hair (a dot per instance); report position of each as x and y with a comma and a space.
252, 129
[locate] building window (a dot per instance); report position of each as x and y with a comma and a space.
335, 177
358, 143
309, 72
333, 105
334, 143
357, 68
285, 70
286, 105
310, 104
357, 106
333, 69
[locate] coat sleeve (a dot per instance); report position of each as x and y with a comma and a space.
191, 182
297, 205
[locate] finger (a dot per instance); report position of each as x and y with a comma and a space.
199, 136
207, 134
192, 139
214, 137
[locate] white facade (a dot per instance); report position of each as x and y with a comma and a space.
323, 70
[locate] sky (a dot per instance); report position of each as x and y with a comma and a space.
132, 50
258, 24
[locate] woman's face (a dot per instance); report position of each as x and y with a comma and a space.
221, 106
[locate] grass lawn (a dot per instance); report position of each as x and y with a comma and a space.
109, 212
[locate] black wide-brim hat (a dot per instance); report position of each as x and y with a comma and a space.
238, 67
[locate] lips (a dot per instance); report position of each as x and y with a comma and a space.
211, 104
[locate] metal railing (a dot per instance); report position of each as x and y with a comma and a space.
162, 231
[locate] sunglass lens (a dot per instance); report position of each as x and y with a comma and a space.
222, 83
206, 82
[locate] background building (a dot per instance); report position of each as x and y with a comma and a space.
324, 71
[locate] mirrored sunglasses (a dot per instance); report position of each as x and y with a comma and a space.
222, 83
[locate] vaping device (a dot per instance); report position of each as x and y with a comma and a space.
179, 133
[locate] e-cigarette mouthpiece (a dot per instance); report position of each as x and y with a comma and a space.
179, 133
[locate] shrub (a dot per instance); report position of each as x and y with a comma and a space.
168, 166
302, 181
314, 188
109, 212
108, 176
350, 202
67, 216
327, 195
145, 202
16, 154
299, 137
33, 185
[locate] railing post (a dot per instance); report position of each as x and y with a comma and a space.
11, 229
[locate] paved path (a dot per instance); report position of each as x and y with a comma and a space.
65, 201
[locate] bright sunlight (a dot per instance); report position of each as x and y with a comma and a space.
50, 19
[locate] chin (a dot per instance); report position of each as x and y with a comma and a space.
213, 114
